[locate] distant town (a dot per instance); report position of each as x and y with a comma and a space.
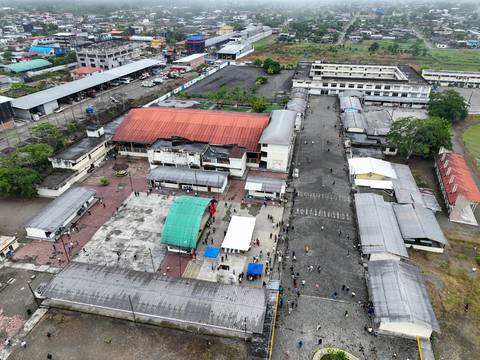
239, 181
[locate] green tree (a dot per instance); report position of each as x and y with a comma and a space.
422, 137
18, 181
271, 66
257, 62
448, 104
258, 103
104, 180
374, 47
49, 134
7, 55
33, 156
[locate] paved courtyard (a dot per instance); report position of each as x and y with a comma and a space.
325, 237
131, 238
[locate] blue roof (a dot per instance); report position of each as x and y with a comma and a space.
196, 37
46, 49
211, 252
255, 269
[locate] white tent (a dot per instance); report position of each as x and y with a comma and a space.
239, 233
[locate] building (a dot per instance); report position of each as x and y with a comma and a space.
265, 187
186, 222
142, 127
188, 179
8, 244
470, 79
70, 40
6, 113
192, 61
277, 141
380, 236
81, 72
46, 101
419, 227
235, 51
194, 305
47, 51
73, 163
179, 152
109, 54
400, 300
225, 29
195, 44
380, 84
298, 103
371, 172
459, 189
29, 65
60, 213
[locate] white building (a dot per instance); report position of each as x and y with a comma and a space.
265, 187
469, 79
400, 300
109, 54
73, 163
277, 141
58, 215
8, 244
381, 84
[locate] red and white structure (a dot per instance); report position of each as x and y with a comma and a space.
459, 189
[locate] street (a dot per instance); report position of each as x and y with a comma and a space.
330, 309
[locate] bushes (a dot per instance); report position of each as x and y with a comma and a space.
104, 180
260, 80
271, 66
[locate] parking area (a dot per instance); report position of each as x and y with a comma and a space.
244, 76
330, 310
79, 336
131, 237
16, 300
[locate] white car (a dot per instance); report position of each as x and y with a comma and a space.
295, 173
148, 84
59, 109
158, 80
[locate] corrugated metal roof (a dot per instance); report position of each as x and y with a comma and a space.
350, 103
263, 183
353, 120
405, 186
369, 165
297, 104
191, 301
418, 222
145, 125
399, 294
299, 93
73, 87
457, 178
280, 129
23, 66
59, 210
184, 175
378, 227
183, 221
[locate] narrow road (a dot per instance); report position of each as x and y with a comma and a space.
420, 36
341, 38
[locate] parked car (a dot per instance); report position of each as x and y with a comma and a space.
144, 76
59, 109
125, 80
158, 80
148, 84
296, 173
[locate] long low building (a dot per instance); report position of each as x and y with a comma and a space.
156, 299
265, 187
185, 178
59, 214
470, 79
400, 300
46, 101
380, 84
380, 236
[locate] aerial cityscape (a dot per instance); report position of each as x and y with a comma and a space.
223, 180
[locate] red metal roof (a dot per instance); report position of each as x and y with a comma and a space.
457, 178
145, 125
85, 70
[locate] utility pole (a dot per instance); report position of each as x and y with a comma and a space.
151, 258
64, 249
130, 177
131, 308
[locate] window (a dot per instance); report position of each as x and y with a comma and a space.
387, 87
342, 85
377, 87
351, 86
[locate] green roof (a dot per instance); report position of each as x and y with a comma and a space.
29, 65
183, 221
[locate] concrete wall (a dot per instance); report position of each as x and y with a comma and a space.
49, 107
277, 157
53, 193
22, 114
405, 329
94, 157
182, 158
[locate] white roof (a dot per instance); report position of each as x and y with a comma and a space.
189, 58
4, 99
375, 184
368, 165
280, 129
239, 233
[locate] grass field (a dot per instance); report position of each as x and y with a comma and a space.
291, 53
471, 139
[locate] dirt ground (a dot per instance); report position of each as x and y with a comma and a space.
76, 336
450, 279
16, 212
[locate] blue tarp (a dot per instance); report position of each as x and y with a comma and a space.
211, 252
254, 269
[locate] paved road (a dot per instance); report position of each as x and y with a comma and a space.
341, 38
419, 35
324, 201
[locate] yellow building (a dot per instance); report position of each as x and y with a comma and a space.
157, 42
225, 29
